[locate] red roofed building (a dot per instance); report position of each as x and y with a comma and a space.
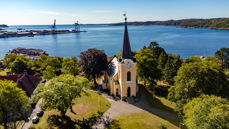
26, 82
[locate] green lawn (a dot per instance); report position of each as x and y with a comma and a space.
161, 103
84, 107
141, 121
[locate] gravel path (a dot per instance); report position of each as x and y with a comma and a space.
119, 108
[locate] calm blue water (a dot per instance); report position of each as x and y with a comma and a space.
183, 41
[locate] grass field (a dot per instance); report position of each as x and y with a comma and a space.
142, 121
84, 107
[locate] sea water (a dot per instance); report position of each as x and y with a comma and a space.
185, 42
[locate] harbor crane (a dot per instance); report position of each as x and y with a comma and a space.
77, 26
53, 27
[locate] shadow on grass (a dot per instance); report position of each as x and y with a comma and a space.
67, 123
148, 102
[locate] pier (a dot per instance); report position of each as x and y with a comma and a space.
32, 33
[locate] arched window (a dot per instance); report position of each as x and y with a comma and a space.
128, 76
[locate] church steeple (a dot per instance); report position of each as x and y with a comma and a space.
126, 49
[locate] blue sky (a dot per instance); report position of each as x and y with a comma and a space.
39, 12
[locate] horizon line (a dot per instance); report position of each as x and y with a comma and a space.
114, 22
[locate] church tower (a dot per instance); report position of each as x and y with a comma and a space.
127, 67
121, 77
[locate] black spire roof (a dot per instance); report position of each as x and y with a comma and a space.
126, 49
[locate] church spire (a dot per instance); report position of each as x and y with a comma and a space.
126, 49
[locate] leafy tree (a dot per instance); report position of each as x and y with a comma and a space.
20, 64
194, 79
40, 63
155, 49
212, 59
13, 104
55, 63
59, 93
223, 56
171, 67
1, 64
207, 112
147, 66
94, 63
192, 59
8, 59
70, 66
162, 60
49, 73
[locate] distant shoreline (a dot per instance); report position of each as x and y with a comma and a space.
213, 23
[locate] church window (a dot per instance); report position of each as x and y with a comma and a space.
128, 76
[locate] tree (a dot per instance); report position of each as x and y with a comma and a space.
13, 104
1, 64
147, 66
192, 59
171, 67
55, 63
155, 49
40, 63
94, 63
20, 64
59, 93
223, 56
8, 59
162, 60
194, 79
207, 112
49, 73
70, 66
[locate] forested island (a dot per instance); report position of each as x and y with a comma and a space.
214, 23
3, 25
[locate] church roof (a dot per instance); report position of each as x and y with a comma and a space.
113, 67
126, 49
26, 82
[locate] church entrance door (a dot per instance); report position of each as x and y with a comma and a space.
117, 92
128, 92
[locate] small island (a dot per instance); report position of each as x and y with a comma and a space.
3, 25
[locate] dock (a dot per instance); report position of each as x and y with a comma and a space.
32, 33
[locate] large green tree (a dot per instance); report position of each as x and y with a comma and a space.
171, 67
8, 59
70, 66
20, 64
44, 61
93, 62
48, 73
59, 92
155, 49
194, 79
223, 56
147, 66
207, 112
13, 104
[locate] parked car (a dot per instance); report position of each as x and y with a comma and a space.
35, 120
40, 113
